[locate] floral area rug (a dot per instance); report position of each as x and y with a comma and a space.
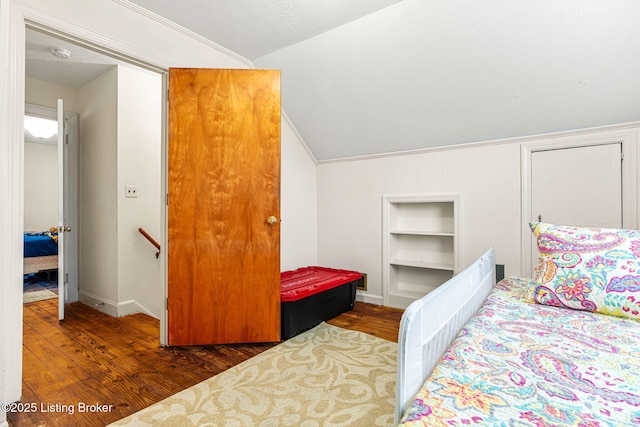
327, 376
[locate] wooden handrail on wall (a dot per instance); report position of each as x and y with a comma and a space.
150, 239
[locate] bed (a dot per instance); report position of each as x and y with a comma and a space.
40, 251
541, 351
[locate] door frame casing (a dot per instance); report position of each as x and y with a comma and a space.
12, 44
626, 137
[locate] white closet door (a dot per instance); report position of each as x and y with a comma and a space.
577, 186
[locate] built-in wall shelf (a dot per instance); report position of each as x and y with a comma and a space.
420, 245
421, 233
421, 264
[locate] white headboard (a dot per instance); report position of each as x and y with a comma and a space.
430, 324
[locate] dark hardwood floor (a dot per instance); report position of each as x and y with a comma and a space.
94, 359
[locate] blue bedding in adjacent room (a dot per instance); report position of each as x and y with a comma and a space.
40, 244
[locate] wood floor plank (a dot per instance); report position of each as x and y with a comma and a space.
93, 394
47, 387
383, 322
80, 352
31, 416
59, 360
91, 358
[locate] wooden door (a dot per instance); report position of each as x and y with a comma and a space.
223, 254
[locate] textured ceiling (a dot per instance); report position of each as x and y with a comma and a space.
371, 76
254, 28
83, 66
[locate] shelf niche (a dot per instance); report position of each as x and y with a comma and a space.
420, 245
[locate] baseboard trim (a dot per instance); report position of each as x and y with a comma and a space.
99, 303
369, 298
131, 307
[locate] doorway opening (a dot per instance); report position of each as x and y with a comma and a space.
119, 111
41, 204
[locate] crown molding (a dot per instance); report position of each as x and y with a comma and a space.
462, 146
170, 24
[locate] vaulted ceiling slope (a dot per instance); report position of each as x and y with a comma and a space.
425, 73
373, 76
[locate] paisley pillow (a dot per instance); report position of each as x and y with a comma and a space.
593, 269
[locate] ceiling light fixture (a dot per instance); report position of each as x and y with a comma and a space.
60, 52
39, 127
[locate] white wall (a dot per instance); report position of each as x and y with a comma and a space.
40, 186
139, 150
120, 144
299, 244
487, 175
46, 94
98, 202
350, 204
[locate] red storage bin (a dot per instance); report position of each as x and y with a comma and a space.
311, 295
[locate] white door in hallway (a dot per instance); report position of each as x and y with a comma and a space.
61, 218
579, 186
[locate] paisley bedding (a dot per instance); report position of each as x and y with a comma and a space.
521, 364
593, 269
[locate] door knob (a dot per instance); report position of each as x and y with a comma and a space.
65, 229
272, 220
